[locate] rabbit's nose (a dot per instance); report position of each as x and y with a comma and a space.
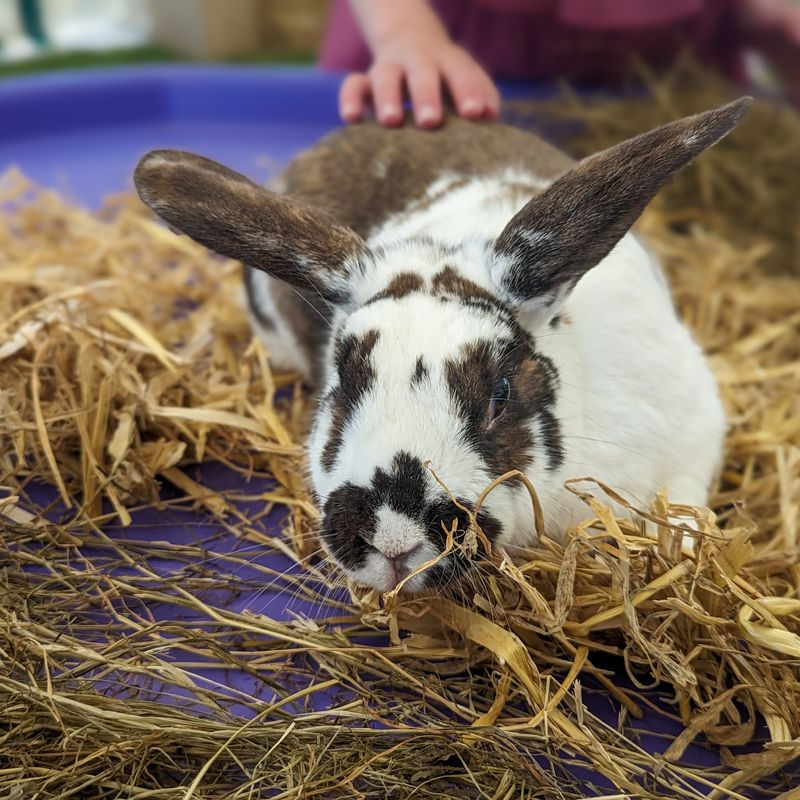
400, 562
400, 539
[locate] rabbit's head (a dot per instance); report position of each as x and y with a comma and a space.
433, 371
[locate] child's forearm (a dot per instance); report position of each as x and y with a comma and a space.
385, 21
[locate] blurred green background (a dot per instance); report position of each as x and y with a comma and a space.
37, 35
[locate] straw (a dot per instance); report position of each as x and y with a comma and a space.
126, 357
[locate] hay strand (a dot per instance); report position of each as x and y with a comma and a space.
495, 693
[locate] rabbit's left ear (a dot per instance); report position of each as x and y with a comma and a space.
234, 217
571, 226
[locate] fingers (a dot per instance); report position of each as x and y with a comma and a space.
353, 95
383, 87
473, 91
474, 94
387, 92
424, 84
492, 99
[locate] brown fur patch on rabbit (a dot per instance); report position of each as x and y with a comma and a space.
363, 174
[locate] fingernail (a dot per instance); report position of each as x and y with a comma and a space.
390, 111
350, 112
427, 115
471, 106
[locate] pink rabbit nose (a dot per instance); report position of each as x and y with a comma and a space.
400, 561
399, 538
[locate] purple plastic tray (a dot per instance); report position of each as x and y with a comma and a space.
82, 134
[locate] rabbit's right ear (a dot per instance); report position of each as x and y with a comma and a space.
573, 224
233, 216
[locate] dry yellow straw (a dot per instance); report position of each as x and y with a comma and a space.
106, 397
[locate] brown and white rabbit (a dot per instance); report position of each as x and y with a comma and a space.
471, 298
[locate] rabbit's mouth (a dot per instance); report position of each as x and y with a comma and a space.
413, 556
451, 574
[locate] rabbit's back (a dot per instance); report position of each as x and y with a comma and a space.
364, 174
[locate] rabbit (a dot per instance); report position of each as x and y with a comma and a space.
466, 301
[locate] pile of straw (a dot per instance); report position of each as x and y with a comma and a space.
125, 358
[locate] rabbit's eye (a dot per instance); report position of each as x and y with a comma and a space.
500, 398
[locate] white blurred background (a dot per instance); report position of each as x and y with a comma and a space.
206, 29
31, 28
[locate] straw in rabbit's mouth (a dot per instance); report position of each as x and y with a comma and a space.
105, 394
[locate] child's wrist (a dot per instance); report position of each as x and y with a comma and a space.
388, 24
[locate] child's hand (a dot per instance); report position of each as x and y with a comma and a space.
423, 71
413, 54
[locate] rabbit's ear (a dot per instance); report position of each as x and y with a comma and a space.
573, 224
235, 217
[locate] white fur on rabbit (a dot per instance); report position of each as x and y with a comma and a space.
469, 299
